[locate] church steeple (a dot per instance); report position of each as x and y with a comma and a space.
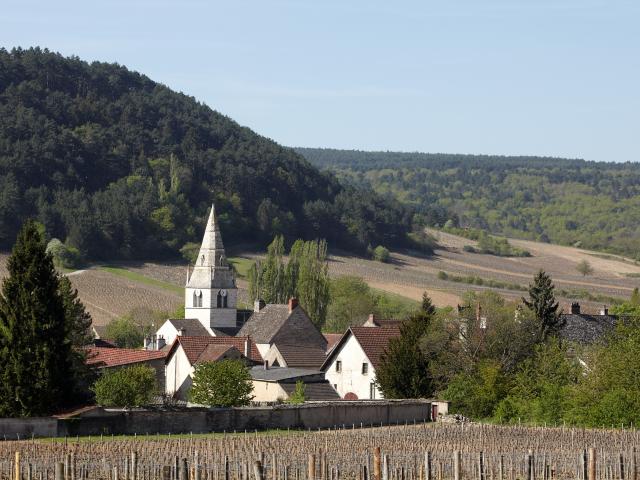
211, 293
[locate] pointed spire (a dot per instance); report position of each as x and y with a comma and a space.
212, 249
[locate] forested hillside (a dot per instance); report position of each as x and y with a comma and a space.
573, 202
117, 165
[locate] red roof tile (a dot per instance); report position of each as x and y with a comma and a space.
374, 340
194, 346
332, 339
102, 357
213, 353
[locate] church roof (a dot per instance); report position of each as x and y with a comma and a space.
211, 269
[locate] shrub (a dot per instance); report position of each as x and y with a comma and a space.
442, 275
381, 254
298, 396
63, 255
226, 383
127, 387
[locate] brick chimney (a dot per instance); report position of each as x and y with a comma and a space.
575, 308
293, 303
258, 305
161, 342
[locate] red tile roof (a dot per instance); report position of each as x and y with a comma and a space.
374, 340
194, 346
302, 356
104, 357
332, 339
213, 353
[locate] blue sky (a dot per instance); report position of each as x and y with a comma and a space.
545, 77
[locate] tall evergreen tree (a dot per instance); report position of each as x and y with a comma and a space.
427, 305
78, 325
542, 302
404, 368
35, 351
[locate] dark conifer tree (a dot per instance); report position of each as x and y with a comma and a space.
35, 353
78, 325
404, 369
542, 302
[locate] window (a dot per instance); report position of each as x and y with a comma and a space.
365, 368
372, 391
338, 366
197, 298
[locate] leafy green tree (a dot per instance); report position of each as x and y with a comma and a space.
542, 302
635, 297
351, 303
126, 387
609, 392
312, 288
124, 333
298, 395
584, 267
36, 359
404, 369
381, 254
63, 255
226, 383
541, 388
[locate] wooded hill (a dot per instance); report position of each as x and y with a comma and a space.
595, 205
119, 166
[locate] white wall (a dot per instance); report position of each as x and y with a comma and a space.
268, 391
351, 379
168, 331
209, 315
178, 372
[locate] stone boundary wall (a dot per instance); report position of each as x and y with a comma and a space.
197, 420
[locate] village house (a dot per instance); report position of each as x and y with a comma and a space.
110, 358
187, 352
278, 384
285, 335
584, 328
350, 367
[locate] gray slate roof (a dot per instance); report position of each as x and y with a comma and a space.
587, 329
192, 327
263, 325
278, 374
320, 391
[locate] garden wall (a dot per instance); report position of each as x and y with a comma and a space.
310, 415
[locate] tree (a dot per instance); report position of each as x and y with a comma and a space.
226, 383
381, 254
608, 392
584, 267
126, 387
312, 288
542, 303
35, 348
351, 303
63, 255
635, 297
124, 333
427, 305
79, 333
298, 395
404, 369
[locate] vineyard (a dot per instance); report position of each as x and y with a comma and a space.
409, 452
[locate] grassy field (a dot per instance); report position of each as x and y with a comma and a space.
115, 290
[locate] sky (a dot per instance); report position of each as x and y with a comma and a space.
510, 77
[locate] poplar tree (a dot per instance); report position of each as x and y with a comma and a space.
542, 302
35, 350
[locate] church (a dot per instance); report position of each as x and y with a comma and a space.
284, 335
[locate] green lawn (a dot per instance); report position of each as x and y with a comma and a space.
138, 277
241, 264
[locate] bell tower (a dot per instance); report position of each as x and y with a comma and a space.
210, 294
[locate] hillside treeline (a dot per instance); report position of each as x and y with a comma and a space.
117, 165
572, 202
